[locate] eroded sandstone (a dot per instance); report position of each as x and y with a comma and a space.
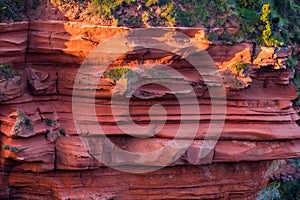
260, 122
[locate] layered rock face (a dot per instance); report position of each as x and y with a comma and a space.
47, 154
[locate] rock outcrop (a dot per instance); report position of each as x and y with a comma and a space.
219, 181
39, 134
14, 42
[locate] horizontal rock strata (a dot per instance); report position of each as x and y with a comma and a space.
219, 181
45, 156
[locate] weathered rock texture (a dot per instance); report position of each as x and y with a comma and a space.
260, 121
14, 42
220, 181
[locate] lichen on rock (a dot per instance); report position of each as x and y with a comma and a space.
23, 125
237, 76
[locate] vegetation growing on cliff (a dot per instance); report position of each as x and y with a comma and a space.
267, 36
14, 9
116, 73
23, 123
12, 148
49, 122
62, 132
236, 76
7, 71
238, 67
283, 190
269, 22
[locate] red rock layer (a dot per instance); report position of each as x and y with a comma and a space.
218, 181
14, 42
38, 132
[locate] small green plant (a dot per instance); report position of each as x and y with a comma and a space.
7, 71
22, 121
116, 73
49, 122
6, 146
13, 149
267, 37
238, 68
28, 122
62, 132
237, 83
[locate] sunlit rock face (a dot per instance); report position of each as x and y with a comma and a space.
38, 133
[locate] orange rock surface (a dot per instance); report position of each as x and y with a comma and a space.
46, 159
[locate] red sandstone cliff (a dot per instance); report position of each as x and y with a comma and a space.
38, 161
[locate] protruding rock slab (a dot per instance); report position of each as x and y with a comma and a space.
13, 42
34, 154
41, 82
72, 153
218, 181
271, 56
11, 88
225, 54
19, 124
237, 151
